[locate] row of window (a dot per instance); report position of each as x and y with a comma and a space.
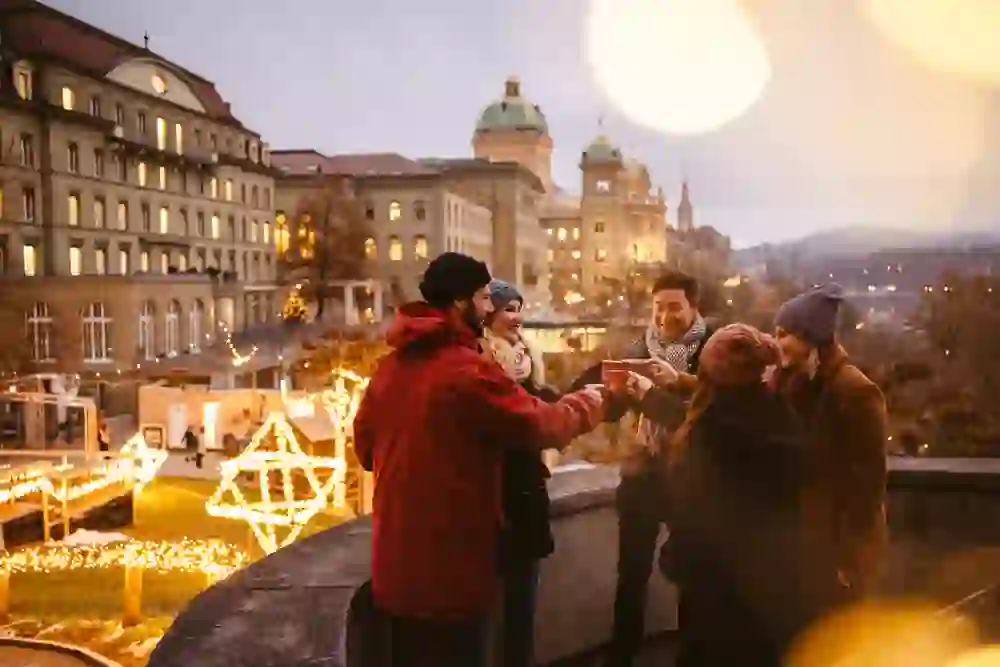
600, 255
562, 234
252, 231
96, 329
169, 262
254, 196
396, 210
420, 248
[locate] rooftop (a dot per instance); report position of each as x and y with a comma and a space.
306, 162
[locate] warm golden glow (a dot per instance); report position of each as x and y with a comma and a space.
955, 37
677, 66
986, 656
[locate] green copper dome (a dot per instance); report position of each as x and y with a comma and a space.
513, 112
602, 150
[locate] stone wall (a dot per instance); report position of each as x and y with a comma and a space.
301, 605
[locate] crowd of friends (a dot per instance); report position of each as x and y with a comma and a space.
762, 455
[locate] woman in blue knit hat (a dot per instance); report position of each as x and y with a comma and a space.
845, 416
526, 536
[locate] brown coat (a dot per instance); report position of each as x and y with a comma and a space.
845, 416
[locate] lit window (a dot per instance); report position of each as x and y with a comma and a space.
141, 170
96, 333
30, 257
100, 261
213, 188
24, 85
182, 263
144, 261
99, 213
163, 178
549, 231
395, 210
420, 247
575, 254
265, 236
172, 339
75, 261
123, 262
159, 84
195, 317
147, 329
164, 220
164, 263
215, 226
253, 231
576, 233
601, 255
229, 190
68, 98
281, 233
561, 234
395, 249
551, 254
603, 186
40, 332
161, 134
371, 249
73, 210
179, 138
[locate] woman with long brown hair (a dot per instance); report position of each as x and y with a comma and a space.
733, 482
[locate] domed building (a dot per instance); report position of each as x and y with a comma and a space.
513, 129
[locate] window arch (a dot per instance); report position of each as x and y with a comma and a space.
371, 248
395, 210
196, 319
147, 330
96, 333
420, 210
172, 337
39, 323
395, 249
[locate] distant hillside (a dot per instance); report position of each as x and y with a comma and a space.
850, 241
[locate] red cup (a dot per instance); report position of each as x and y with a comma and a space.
614, 374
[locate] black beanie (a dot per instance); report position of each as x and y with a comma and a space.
453, 277
812, 315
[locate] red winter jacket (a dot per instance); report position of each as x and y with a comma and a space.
433, 425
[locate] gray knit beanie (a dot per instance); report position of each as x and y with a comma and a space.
812, 315
502, 293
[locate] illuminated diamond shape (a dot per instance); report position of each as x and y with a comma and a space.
275, 522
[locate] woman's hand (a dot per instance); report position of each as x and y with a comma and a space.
662, 373
637, 385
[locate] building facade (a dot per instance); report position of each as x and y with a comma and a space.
405, 208
594, 241
136, 208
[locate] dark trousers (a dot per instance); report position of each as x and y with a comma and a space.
414, 642
520, 586
639, 501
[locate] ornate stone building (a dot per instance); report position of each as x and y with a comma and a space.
136, 208
598, 239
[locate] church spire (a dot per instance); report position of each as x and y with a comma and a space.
685, 210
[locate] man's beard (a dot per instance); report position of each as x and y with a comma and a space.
473, 320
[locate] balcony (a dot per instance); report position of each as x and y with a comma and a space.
308, 604
141, 145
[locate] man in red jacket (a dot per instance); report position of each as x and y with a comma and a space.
433, 425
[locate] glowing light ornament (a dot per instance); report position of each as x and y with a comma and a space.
145, 461
677, 66
342, 406
288, 513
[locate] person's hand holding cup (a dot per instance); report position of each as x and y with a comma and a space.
614, 375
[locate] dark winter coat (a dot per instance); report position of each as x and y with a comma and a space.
736, 546
844, 415
526, 534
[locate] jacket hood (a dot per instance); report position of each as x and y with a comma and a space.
417, 323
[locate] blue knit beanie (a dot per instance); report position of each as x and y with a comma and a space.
502, 293
812, 315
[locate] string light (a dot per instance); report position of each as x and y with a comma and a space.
342, 405
213, 557
288, 512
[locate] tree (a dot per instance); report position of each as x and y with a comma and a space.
327, 243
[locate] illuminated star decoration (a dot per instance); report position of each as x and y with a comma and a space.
342, 406
146, 461
287, 512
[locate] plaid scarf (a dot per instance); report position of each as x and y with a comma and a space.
678, 354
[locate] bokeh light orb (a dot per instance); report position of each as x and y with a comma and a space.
953, 36
677, 66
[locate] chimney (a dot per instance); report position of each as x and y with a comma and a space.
513, 87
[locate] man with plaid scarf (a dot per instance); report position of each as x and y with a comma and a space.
674, 337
